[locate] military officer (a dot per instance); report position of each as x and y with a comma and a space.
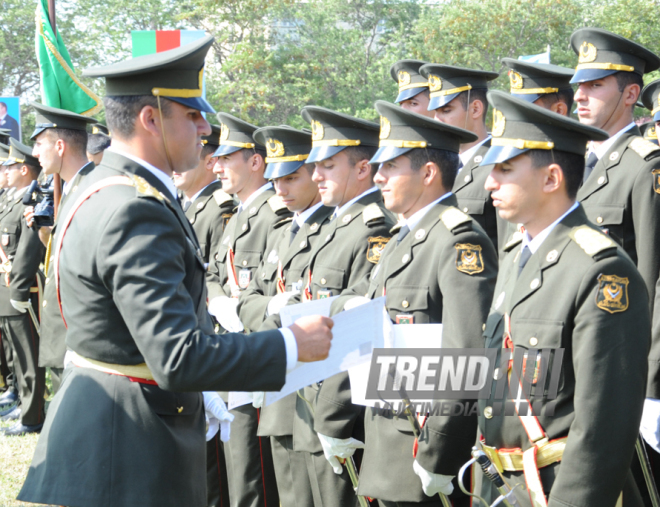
60, 141
128, 421
260, 214
413, 87
9, 397
542, 84
279, 276
206, 205
424, 279
651, 99
22, 252
458, 97
601, 321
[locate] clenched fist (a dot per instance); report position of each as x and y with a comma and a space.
313, 335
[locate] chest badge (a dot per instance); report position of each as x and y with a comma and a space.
612, 295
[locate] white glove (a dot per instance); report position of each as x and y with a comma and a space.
334, 448
258, 399
278, 302
21, 306
433, 483
217, 416
355, 302
224, 310
650, 425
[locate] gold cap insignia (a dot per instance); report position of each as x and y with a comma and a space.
224, 132
376, 247
650, 133
469, 259
612, 295
274, 148
95, 130
385, 127
499, 122
435, 83
588, 52
404, 78
516, 80
317, 130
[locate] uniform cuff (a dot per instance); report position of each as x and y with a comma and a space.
291, 348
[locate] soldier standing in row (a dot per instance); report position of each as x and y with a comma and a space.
414, 92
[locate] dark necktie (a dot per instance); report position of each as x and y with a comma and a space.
524, 257
591, 162
403, 232
294, 230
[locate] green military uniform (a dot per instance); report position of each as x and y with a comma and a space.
577, 291
424, 281
410, 81
283, 270
52, 345
650, 98
446, 83
6, 363
22, 252
136, 305
249, 460
348, 248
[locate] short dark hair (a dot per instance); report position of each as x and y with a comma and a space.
475, 94
359, 153
572, 165
121, 112
76, 140
564, 95
96, 143
35, 170
624, 79
447, 161
207, 149
257, 150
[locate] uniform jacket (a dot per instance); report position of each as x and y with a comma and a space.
52, 344
136, 296
209, 214
622, 196
24, 249
475, 200
423, 277
566, 297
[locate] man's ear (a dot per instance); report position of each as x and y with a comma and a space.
149, 121
364, 169
476, 109
631, 94
60, 146
209, 162
559, 107
430, 173
257, 162
554, 178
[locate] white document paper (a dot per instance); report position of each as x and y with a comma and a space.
238, 399
289, 314
355, 334
401, 336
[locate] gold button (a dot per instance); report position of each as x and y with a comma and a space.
483, 326
192, 220
313, 227
244, 263
533, 341
488, 412
44, 303
303, 244
601, 180
467, 178
465, 209
244, 226
322, 281
599, 220
405, 304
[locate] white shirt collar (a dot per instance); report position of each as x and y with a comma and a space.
192, 199
301, 218
418, 215
67, 184
340, 211
606, 145
19, 192
164, 178
468, 154
254, 195
535, 244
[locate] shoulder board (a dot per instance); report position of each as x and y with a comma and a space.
453, 217
591, 240
277, 205
221, 197
514, 240
282, 222
396, 228
144, 188
643, 147
372, 214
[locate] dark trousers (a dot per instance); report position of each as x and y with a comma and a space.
249, 462
7, 365
30, 378
216, 474
293, 483
328, 488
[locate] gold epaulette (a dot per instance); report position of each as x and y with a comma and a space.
396, 228
643, 147
221, 197
144, 188
591, 240
372, 214
515, 240
282, 221
277, 204
453, 217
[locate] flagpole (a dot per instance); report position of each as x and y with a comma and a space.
57, 181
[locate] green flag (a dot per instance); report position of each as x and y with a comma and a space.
60, 87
